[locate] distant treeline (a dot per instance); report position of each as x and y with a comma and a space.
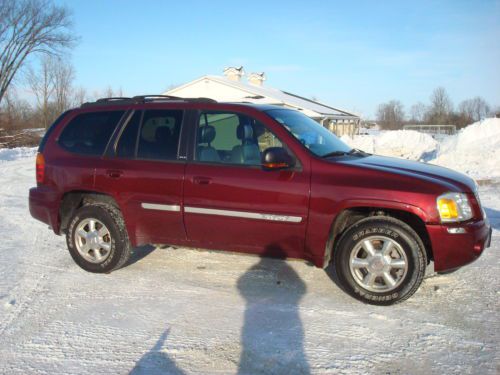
440, 111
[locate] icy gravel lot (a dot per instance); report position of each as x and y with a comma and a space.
187, 311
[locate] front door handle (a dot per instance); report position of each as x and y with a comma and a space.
114, 173
200, 180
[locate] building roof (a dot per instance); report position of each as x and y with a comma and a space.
268, 95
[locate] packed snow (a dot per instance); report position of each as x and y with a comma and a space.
408, 144
8, 154
181, 310
474, 150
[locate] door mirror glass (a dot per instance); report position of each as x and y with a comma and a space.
274, 158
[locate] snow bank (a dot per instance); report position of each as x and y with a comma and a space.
475, 150
407, 144
10, 154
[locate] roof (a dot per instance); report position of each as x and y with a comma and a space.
268, 95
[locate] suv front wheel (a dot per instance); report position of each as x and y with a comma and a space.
97, 238
380, 260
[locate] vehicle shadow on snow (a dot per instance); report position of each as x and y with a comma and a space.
493, 217
272, 336
139, 253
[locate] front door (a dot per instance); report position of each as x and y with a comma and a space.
145, 176
230, 202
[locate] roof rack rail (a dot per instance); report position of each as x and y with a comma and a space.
139, 99
145, 97
170, 97
201, 99
112, 99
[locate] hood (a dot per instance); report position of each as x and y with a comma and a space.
452, 179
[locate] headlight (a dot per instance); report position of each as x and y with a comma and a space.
453, 207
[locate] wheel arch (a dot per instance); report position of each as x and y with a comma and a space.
348, 216
73, 200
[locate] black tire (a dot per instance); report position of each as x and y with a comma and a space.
120, 248
392, 229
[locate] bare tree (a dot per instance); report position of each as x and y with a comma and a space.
391, 115
110, 93
474, 109
41, 83
15, 116
80, 96
28, 27
64, 75
417, 112
441, 107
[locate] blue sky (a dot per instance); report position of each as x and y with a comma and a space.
352, 55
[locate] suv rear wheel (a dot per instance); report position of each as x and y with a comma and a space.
97, 238
380, 260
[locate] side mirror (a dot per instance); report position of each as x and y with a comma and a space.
275, 158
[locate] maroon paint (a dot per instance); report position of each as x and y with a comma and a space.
317, 192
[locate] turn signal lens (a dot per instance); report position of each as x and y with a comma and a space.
275, 165
40, 168
453, 207
447, 208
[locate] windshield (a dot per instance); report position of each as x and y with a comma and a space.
315, 137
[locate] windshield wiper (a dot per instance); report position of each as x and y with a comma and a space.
335, 153
357, 151
353, 151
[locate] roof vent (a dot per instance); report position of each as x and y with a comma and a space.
257, 79
233, 73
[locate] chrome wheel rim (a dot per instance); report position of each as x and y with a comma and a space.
93, 240
378, 264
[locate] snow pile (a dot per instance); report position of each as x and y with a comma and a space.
407, 144
10, 154
475, 150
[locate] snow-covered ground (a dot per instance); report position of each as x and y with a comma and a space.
188, 311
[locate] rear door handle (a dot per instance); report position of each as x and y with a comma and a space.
114, 173
200, 180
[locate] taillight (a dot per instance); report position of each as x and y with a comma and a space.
40, 168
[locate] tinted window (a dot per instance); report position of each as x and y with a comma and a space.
89, 133
232, 138
312, 135
159, 135
128, 139
49, 131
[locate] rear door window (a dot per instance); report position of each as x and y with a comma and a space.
159, 135
89, 133
128, 140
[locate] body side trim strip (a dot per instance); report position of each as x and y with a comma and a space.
161, 207
243, 214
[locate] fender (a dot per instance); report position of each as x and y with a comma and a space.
381, 203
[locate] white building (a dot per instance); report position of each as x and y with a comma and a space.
232, 88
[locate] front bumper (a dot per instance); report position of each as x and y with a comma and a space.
453, 250
44, 206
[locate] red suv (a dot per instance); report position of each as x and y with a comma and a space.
122, 172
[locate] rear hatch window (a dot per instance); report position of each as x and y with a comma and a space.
89, 133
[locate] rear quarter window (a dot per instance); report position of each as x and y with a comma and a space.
89, 133
49, 131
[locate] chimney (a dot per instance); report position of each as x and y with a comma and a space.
257, 79
233, 73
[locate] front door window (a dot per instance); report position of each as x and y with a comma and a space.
231, 138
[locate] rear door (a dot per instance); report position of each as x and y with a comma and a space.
230, 202
145, 174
